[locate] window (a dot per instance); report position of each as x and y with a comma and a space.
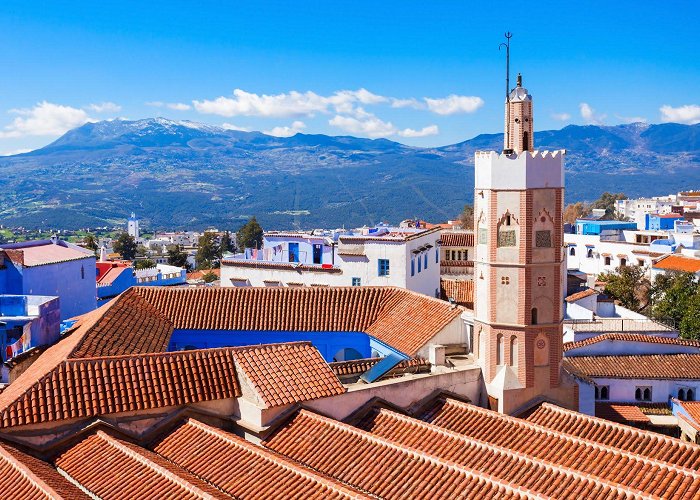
514, 351
572, 251
317, 253
425, 260
686, 394
82, 272
437, 255
508, 220
533, 316
505, 280
294, 252
383, 267
413, 267
642, 393
526, 141
623, 262
499, 349
589, 253
483, 236
640, 262
602, 392
607, 261
543, 239
356, 282
420, 264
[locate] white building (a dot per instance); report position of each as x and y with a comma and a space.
132, 226
382, 256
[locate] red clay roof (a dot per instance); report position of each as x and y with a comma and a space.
26, 477
112, 274
457, 239
45, 253
679, 263
243, 469
621, 413
645, 443
110, 468
380, 466
282, 374
360, 366
655, 366
693, 409
581, 295
603, 461
631, 337
196, 275
462, 291
542, 477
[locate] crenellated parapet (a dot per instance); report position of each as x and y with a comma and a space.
525, 170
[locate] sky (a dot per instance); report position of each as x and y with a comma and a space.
421, 73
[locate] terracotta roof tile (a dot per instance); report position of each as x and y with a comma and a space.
693, 409
243, 469
114, 469
518, 469
282, 374
44, 254
679, 263
196, 275
653, 366
631, 337
613, 464
621, 413
27, 477
457, 239
84, 388
581, 295
360, 366
462, 291
380, 466
645, 443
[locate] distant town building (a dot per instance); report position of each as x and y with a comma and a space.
380, 256
50, 268
133, 226
114, 278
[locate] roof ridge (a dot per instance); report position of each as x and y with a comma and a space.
115, 443
441, 462
271, 456
632, 337
24, 470
616, 425
518, 455
605, 447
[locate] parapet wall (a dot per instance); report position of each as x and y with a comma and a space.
527, 170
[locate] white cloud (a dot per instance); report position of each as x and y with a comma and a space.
589, 115
105, 107
688, 114
562, 117
631, 119
15, 152
231, 126
295, 128
407, 103
44, 119
453, 104
424, 132
363, 123
273, 106
178, 106
155, 104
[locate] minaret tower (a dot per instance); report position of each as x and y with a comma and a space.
520, 268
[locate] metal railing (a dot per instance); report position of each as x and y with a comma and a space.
611, 325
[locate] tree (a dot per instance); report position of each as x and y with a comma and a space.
629, 286
690, 324
144, 264
674, 296
207, 251
607, 201
226, 245
125, 245
209, 277
90, 242
575, 211
177, 256
466, 218
250, 235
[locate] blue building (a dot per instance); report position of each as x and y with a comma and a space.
598, 227
114, 278
661, 222
27, 321
50, 268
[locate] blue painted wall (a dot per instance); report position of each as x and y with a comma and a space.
328, 343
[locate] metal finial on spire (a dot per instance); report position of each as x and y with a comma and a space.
506, 44
520, 80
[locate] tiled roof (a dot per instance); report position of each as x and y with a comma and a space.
631, 337
655, 366
263, 264
645, 443
693, 409
380, 466
400, 236
679, 263
25, 476
360, 366
621, 413
605, 462
456, 239
462, 291
581, 295
197, 275
542, 477
112, 274
81, 388
286, 373
45, 253
457, 263
243, 469
110, 468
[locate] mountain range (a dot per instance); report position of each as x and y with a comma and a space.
182, 174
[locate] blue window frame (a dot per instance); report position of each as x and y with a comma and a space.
413, 267
294, 252
419, 264
356, 282
437, 255
383, 267
425, 258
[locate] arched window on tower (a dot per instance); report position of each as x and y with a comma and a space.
513, 351
499, 349
526, 141
533, 316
